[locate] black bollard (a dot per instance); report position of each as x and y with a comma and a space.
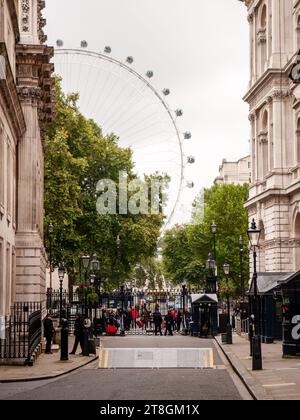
229, 334
64, 340
257, 355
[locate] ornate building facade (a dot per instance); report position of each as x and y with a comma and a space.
25, 109
274, 100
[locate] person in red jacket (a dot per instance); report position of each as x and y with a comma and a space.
134, 315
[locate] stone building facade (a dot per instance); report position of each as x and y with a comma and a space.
274, 100
25, 109
237, 173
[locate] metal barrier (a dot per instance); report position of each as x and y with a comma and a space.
21, 332
242, 326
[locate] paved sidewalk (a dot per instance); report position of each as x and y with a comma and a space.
47, 366
279, 379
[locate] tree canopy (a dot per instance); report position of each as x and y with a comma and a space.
77, 157
186, 247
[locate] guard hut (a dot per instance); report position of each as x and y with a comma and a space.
290, 288
270, 305
204, 315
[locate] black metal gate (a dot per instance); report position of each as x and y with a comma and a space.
20, 332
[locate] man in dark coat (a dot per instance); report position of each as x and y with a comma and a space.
169, 323
78, 333
157, 319
48, 333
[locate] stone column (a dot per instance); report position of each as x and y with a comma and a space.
277, 130
278, 58
30, 275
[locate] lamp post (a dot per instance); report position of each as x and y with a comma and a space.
50, 232
61, 274
214, 228
254, 237
85, 260
241, 243
226, 269
211, 268
184, 293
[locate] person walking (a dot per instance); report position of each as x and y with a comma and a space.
134, 315
169, 320
78, 333
157, 319
48, 333
179, 320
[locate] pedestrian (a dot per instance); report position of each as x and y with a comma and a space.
127, 320
48, 333
169, 320
134, 315
78, 333
157, 319
179, 320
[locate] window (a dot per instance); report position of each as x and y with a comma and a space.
9, 177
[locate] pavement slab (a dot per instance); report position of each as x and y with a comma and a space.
279, 379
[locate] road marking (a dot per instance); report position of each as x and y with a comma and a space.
106, 359
205, 360
100, 359
211, 358
279, 385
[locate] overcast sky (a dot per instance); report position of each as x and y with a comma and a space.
197, 48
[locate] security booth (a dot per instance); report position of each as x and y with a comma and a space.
269, 305
204, 315
290, 288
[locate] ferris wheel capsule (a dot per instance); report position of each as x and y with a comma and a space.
190, 184
187, 135
59, 43
149, 74
107, 50
179, 113
129, 60
166, 92
83, 44
191, 159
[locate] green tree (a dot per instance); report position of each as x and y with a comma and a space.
77, 157
186, 248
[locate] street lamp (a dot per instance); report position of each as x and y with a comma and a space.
184, 293
226, 269
211, 279
254, 237
214, 228
61, 275
94, 264
85, 260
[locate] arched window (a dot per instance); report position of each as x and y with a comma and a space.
263, 18
298, 32
262, 39
264, 143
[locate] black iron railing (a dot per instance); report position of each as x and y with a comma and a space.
20, 332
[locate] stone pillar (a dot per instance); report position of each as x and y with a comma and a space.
277, 130
30, 275
34, 88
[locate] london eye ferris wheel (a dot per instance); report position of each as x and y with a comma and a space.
125, 102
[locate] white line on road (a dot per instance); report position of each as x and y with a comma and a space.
279, 385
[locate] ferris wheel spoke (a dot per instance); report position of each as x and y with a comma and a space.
124, 102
